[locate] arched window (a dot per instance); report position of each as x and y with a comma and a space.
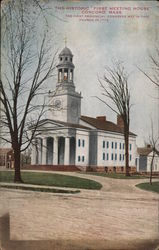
65, 74
71, 74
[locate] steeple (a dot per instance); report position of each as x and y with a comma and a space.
65, 101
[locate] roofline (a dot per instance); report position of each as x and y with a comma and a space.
130, 133
63, 125
78, 128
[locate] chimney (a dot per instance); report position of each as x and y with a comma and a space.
120, 121
101, 118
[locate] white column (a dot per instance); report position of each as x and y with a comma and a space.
40, 151
88, 150
62, 75
68, 75
67, 151
55, 151
44, 148
33, 154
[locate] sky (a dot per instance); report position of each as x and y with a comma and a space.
99, 32
95, 44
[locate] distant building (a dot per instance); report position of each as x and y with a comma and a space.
67, 138
144, 159
6, 158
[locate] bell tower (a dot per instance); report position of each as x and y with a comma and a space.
65, 68
65, 102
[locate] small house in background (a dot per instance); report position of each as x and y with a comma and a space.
3, 156
10, 159
6, 157
155, 167
143, 161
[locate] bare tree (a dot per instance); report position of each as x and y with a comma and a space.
154, 142
153, 77
25, 69
117, 97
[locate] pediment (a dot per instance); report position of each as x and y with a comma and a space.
49, 124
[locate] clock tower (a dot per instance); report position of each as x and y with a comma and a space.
65, 102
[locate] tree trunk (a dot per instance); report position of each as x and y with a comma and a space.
17, 174
126, 137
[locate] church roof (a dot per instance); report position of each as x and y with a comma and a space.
104, 125
66, 51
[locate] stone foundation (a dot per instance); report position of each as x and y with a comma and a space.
69, 168
73, 168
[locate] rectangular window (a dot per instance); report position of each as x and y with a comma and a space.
115, 145
112, 144
130, 147
103, 144
120, 157
83, 143
79, 143
107, 144
120, 145
123, 146
112, 157
107, 156
83, 158
103, 156
123, 157
79, 158
130, 157
116, 157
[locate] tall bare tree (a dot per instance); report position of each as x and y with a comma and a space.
154, 142
25, 69
153, 76
116, 96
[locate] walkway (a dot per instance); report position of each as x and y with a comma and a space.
118, 215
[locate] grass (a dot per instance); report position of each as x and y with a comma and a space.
40, 189
115, 175
147, 186
51, 179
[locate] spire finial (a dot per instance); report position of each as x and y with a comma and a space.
65, 40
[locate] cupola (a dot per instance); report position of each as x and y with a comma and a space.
65, 66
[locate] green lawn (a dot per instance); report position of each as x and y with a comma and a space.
115, 175
146, 186
51, 179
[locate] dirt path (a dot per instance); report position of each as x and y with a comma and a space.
119, 212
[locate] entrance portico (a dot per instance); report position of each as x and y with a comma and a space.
54, 151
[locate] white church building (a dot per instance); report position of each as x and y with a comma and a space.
67, 138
